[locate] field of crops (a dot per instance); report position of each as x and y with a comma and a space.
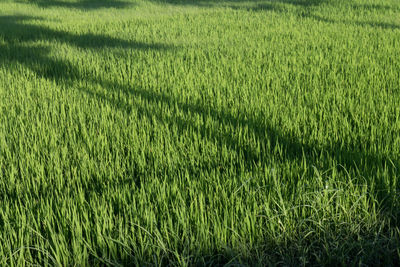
207, 133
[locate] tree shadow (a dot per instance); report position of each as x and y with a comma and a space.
303, 8
16, 30
306, 12
301, 3
378, 25
81, 4
254, 5
375, 7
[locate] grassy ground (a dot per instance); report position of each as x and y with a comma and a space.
199, 132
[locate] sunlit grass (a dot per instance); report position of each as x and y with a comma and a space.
199, 132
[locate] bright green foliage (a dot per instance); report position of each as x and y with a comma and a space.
199, 132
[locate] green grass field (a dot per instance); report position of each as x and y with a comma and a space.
205, 133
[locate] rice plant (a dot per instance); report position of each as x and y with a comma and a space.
199, 133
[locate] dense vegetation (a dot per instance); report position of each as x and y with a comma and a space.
199, 132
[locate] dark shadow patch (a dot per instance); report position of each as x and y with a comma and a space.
303, 9
375, 8
81, 4
14, 30
255, 5
301, 3
378, 25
